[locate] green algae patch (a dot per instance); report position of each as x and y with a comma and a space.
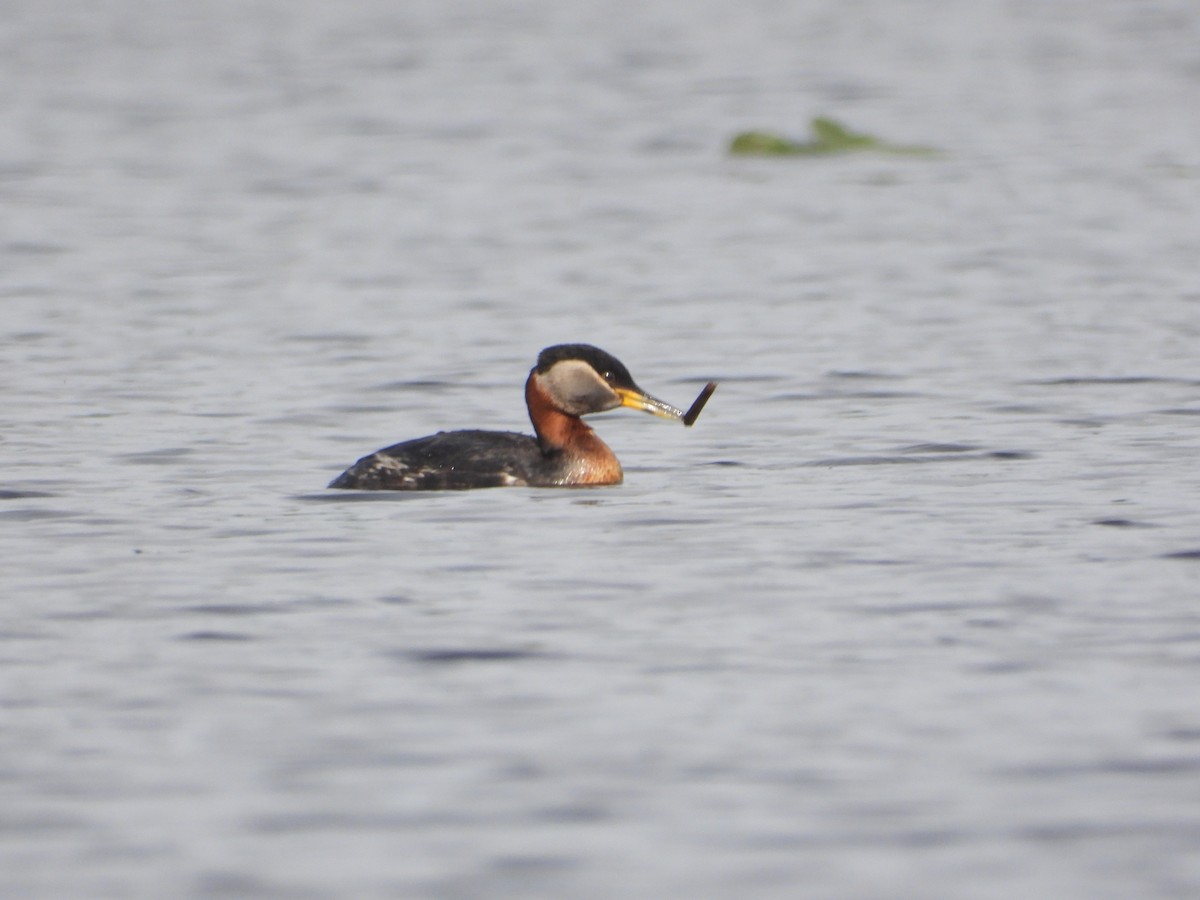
828, 137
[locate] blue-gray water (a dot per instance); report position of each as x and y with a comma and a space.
913, 611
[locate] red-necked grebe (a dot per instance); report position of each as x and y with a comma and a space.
569, 381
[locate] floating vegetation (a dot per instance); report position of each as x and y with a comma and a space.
829, 136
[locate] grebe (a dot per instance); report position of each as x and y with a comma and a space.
569, 381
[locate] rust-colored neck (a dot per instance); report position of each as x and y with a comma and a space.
586, 458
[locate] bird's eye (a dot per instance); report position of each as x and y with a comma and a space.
608, 376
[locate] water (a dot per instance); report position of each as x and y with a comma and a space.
912, 611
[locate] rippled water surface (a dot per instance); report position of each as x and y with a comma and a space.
913, 611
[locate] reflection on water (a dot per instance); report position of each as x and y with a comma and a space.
909, 612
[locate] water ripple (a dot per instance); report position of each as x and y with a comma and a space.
457, 655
